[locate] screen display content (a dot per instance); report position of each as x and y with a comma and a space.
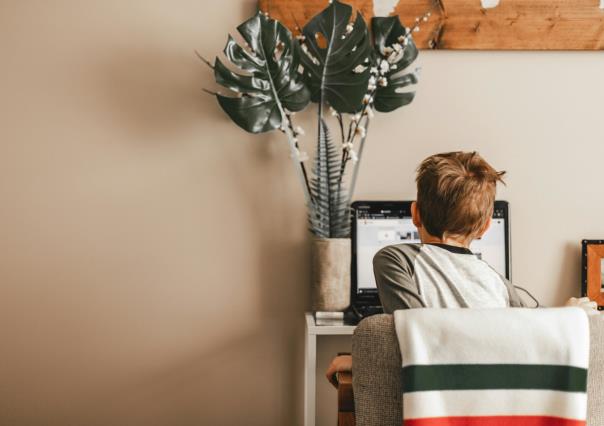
378, 228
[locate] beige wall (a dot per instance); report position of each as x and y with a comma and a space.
154, 257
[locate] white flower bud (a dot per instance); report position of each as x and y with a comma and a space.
360, 130
359, 69
299, 155
300, 130
384, 67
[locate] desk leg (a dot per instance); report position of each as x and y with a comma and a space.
310, 371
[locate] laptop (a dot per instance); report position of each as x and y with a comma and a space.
377, 224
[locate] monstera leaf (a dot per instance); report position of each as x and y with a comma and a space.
269, 80
335, 57
329, 213
392, 56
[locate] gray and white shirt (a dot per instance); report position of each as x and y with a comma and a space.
439, 276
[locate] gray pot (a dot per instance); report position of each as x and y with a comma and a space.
331, 274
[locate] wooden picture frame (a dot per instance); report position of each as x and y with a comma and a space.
592, 283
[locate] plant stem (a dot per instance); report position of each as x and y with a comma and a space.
355, 171
299, 166
344, 155
290, 124
341, 122
362, 114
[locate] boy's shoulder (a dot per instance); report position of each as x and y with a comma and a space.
398, 252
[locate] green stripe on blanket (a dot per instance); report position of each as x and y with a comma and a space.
493, 376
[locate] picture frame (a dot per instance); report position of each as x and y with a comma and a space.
592, 272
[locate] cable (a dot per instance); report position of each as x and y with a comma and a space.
537, 304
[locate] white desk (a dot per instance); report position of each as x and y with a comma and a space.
310, 361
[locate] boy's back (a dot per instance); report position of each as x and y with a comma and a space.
439, 276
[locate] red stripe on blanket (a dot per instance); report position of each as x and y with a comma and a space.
494, 421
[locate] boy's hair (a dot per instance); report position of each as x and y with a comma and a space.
456, 193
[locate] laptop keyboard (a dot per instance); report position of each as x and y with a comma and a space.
364, 311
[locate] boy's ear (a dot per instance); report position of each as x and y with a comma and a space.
417, 221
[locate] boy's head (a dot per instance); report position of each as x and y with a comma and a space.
455, 195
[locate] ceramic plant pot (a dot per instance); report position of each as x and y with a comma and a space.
330, 274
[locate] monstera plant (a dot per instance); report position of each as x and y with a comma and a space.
335, 63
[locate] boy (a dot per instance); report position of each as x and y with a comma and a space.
455, 199
454, 206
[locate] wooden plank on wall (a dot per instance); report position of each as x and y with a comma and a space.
294, 13
466, 24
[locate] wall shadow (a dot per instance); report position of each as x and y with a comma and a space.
155, 96
283, 252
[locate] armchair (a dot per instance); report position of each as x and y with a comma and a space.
376, 396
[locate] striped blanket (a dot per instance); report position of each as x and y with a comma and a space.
494, 367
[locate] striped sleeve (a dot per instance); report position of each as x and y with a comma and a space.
393, 268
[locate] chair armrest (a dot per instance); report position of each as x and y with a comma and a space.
376, 367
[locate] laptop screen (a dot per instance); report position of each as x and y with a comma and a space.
380, 224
